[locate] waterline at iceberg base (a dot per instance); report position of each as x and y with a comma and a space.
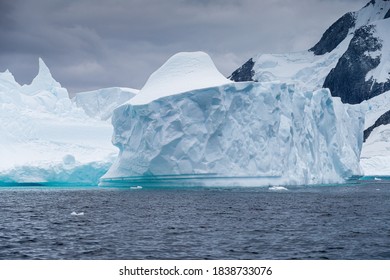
237, 134
190, 180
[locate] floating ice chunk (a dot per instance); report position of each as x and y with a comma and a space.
135, 188
277, 188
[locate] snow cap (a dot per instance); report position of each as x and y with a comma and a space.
184, 71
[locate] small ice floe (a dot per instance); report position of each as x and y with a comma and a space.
135, 188
77, 214
377, 179
277, 188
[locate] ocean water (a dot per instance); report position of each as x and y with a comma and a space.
322, 222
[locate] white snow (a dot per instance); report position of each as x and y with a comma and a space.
268, 133
306, 70
375, 107
375, 158
381, 73
46, 138
372, 13
100, 103
182, 72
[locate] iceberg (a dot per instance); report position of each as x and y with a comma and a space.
45, 138
192, 124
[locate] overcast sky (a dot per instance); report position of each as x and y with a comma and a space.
90, 44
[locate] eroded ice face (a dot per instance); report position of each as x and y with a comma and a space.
267, 130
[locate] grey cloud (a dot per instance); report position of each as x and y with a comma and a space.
94, 43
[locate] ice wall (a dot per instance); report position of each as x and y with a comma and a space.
251, 133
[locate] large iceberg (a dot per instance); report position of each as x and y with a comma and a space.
45, 138
192, 124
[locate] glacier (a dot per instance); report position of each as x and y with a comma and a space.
46, 138
212, 131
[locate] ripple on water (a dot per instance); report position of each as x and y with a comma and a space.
301, 223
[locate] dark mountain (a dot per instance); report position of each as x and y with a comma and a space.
347, 76
244, 73
335, 34
348, 79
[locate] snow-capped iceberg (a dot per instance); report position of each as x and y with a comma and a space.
44, 93
249, 133
45, 138
182, 72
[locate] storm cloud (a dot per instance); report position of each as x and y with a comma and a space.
91, 44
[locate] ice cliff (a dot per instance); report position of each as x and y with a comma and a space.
191, 123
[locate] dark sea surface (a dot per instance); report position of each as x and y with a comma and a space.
322, 222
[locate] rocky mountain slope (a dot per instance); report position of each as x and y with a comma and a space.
352, 59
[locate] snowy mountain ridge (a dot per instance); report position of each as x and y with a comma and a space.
343, 44
345, 26
352, 59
